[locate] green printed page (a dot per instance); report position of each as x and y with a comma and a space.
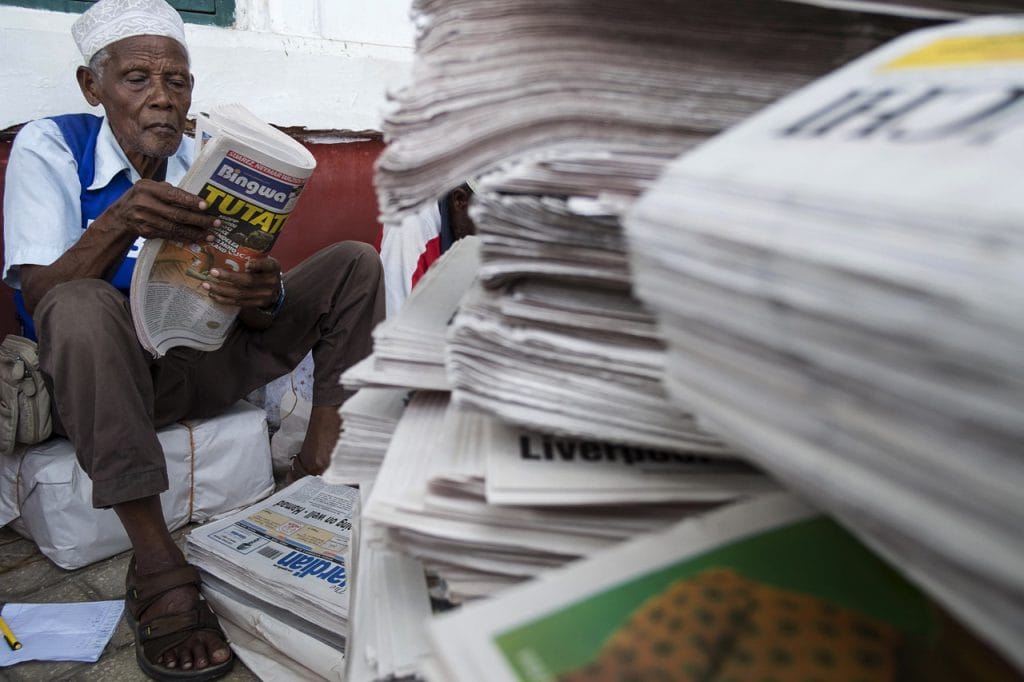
803, 602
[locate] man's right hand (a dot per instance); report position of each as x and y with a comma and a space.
153, 209
149, 209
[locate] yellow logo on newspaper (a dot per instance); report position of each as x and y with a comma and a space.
963, 51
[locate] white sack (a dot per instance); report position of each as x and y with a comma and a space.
213, 466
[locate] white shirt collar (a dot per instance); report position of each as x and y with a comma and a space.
111, 160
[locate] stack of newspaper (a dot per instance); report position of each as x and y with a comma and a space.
552, 339
299, 555
761, 590
500, 79
575, 373
292, 554
368, 420
567, 111
485, 505
409, 347
390, 610
841, 283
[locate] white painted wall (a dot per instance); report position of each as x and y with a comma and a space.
318, 64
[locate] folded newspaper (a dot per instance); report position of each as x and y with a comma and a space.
289, 555
763, 590
250, 174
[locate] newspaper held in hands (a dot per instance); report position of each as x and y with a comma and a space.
250, 174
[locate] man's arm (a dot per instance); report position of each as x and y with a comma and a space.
43, 238
149, 209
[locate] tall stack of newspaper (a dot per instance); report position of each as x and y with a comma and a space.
567, 110
500, 79
841, 283
485, 504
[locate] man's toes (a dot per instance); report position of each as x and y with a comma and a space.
220, 654
217, 648
185, 658
209, 651
169, 660
199, 653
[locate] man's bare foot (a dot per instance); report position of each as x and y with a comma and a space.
321, 436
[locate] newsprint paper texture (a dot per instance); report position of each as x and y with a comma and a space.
767, 587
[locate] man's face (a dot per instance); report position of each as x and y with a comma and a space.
146, 90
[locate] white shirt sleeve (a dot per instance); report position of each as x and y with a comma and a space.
400, 249
42, 213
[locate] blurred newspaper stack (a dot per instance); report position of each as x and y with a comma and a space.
556, 342
841, 284
558, 106
446, 471
485, 505
495, 80
408, 355
292, 553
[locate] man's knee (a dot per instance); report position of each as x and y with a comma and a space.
77, 304
359, 255
348, 262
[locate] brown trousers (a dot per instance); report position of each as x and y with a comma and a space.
110, 395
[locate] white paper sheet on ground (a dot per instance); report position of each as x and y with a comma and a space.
77, 631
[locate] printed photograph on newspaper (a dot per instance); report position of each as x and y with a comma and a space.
798, 599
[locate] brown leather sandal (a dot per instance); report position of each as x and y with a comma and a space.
158, 635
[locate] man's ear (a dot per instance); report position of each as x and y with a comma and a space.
89, 84
460, 198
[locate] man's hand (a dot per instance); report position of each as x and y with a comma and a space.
159, 210
148, 209
258, 287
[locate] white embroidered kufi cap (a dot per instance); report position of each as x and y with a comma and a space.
108, 21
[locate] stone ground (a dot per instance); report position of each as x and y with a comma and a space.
28, 576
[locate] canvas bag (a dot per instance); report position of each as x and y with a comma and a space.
24, 400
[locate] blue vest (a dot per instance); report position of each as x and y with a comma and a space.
80, 132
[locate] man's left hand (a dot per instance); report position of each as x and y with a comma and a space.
259, 286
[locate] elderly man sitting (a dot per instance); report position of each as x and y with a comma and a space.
81, 192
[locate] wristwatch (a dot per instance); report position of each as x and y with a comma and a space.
276, 308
